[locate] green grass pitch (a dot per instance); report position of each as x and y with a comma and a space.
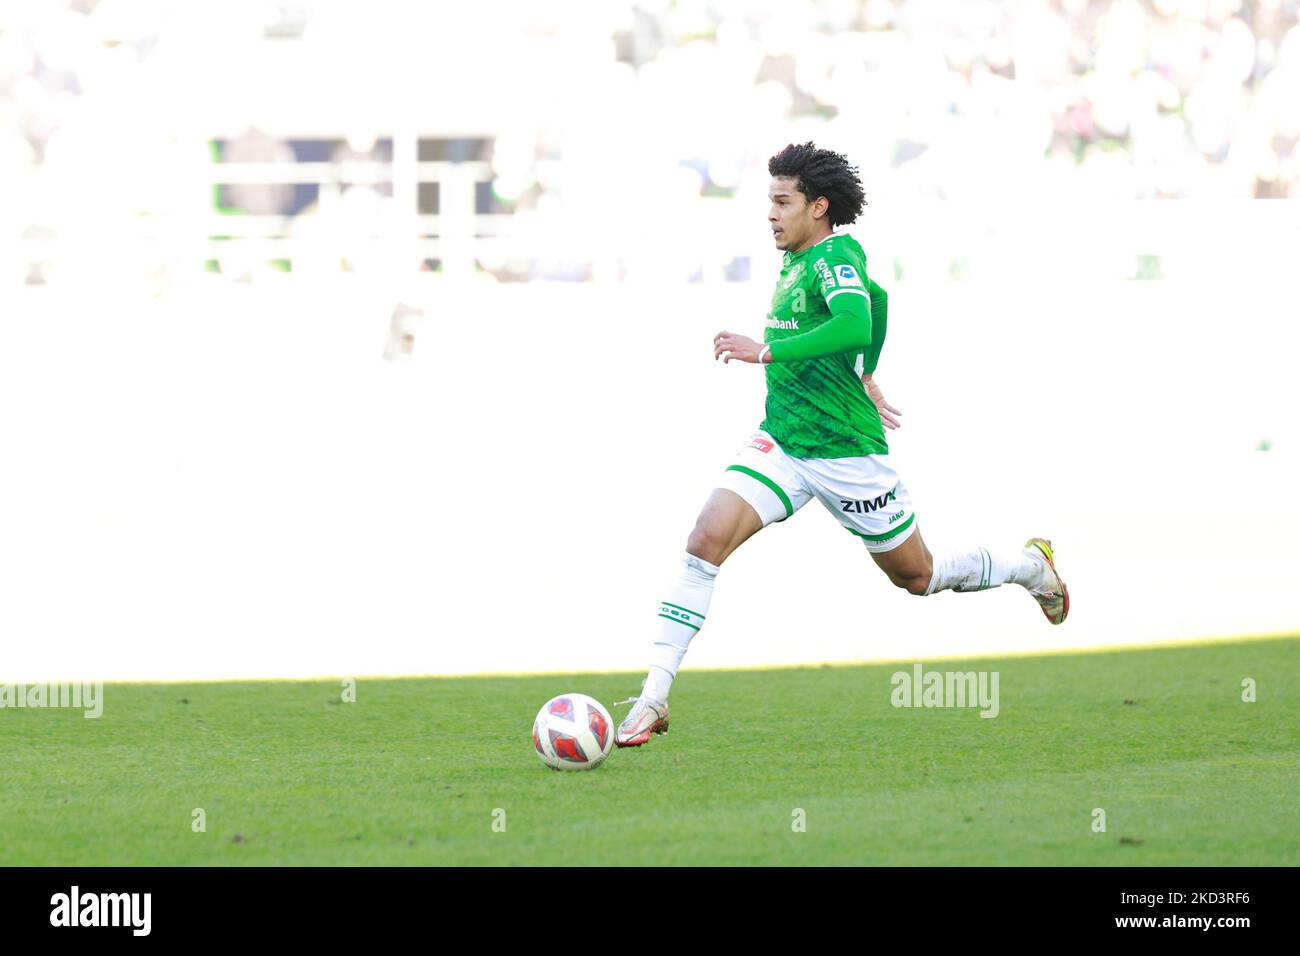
415, 770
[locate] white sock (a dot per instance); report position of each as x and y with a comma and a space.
981, 569
681, 615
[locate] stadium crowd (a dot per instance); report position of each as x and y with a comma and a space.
949, 99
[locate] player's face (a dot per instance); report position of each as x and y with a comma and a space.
791, 215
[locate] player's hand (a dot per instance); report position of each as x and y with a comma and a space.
729, 345
888, 413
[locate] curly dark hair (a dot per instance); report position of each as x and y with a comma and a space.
821, 172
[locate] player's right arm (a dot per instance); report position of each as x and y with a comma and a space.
871, 356
879, 313
888, 413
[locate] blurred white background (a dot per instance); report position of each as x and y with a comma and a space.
360, 339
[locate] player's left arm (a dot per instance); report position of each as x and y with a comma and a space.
844, 286
849, 328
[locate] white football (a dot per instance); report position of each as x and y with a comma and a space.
573, 732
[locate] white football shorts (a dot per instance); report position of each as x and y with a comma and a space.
864, 493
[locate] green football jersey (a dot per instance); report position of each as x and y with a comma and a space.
819, 408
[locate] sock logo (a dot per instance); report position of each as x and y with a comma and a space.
871, 504
675, 612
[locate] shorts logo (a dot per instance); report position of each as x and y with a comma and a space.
895, 517
762, 444
871, 504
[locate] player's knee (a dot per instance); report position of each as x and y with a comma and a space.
919, 575
916, 584
912, 580
707, 543
711, 539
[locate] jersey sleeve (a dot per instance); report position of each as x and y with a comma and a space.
879, 325
839, 275
847, 330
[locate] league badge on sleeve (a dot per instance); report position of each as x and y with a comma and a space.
846, 275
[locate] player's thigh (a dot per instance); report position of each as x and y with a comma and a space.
869, 499
725, 523
909, 562
758, 488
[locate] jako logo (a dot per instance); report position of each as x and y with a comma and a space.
873, 504
946, 689
102, 909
